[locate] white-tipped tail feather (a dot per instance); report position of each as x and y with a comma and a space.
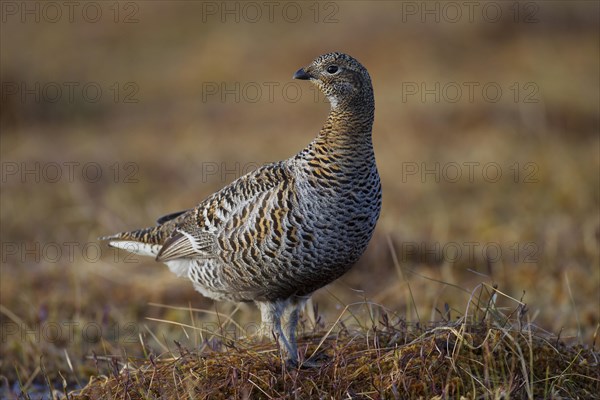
179, 267
142, 249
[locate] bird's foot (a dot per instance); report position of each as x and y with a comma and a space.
316, 361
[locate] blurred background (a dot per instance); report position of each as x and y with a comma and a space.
115, 113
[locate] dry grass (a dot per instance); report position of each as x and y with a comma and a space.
485, 354
452, 361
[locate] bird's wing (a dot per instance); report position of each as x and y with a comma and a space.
169, 217
233, 207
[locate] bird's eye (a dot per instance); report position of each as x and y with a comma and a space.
332, 69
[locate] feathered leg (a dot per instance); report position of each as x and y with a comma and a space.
271, 313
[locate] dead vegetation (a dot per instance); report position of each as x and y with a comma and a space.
487, 353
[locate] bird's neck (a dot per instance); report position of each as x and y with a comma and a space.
348, 128
343, 144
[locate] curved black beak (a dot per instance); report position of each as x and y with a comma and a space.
301, 74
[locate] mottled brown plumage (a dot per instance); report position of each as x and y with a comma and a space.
279, 233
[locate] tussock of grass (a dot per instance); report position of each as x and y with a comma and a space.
486, 354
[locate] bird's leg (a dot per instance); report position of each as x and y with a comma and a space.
290, 320
271, 313
266, 317
291, 316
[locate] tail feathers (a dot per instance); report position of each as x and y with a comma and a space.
142, 249
145, 242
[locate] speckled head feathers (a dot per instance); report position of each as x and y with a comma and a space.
340, 77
